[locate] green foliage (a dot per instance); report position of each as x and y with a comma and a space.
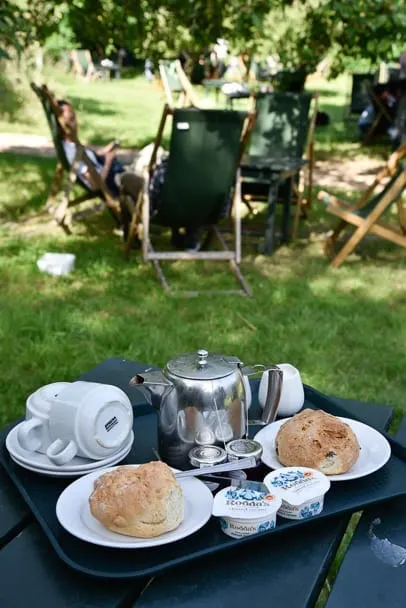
373, 31
13, 29
63, 39
299, 40
300, 32
23, 22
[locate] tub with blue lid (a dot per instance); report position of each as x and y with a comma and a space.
243, 511
300, 489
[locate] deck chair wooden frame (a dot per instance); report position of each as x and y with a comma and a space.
371, 222
66, 174
140, 224
304, 204
186, 93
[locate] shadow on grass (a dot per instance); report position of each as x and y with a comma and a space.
24, 185
325, 322
90, 105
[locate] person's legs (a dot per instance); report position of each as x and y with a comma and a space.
188, 240
192, 239
131, 184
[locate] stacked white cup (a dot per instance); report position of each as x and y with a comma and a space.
85, 419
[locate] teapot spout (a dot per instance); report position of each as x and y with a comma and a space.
153, 384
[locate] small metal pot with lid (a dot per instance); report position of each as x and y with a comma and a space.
202, 398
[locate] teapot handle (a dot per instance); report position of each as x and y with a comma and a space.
274, 388
255, 370
273, 394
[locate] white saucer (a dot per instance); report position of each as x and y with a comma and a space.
73, 513
374, 454
62, 472
40, 462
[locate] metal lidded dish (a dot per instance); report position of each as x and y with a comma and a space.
242, 448
206, 455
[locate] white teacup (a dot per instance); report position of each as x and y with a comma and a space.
292, 394
85, 419
37, 408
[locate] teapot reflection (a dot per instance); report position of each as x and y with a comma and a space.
204, 424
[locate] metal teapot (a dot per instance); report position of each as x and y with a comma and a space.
202, 399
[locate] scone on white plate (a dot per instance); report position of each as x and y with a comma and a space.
144, 501
317, 440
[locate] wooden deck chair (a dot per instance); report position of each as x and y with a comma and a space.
66, 174
366, 214
175, 82
83, 65
284, 130
205, 151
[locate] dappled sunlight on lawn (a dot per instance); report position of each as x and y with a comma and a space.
344, 329
325, 322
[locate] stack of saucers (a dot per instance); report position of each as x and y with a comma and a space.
72, 429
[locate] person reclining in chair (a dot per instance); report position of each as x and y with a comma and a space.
105, 162
114, 174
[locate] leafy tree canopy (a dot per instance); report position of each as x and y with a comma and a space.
300, 32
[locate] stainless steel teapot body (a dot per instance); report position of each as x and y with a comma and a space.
202, 399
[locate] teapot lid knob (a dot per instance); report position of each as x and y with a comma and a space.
203, 354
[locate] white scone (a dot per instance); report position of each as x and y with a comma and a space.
146, 501
317, 440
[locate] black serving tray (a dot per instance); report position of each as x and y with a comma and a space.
41, 494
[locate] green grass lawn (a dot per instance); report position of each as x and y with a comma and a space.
127, 109
345, 330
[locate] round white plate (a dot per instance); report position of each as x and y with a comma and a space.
375, 449
73, 513
36, 460
62, 472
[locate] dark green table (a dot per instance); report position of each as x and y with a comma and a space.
285, 571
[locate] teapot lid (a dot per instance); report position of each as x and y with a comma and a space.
202, 365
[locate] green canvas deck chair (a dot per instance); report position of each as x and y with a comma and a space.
204, 154
366, 214
178, 89
66, 174
359, 94
284, 131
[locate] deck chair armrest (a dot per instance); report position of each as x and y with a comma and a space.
248, 126
330, 199
157, 142
312, 126
98, 181
187, 85
395, 158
